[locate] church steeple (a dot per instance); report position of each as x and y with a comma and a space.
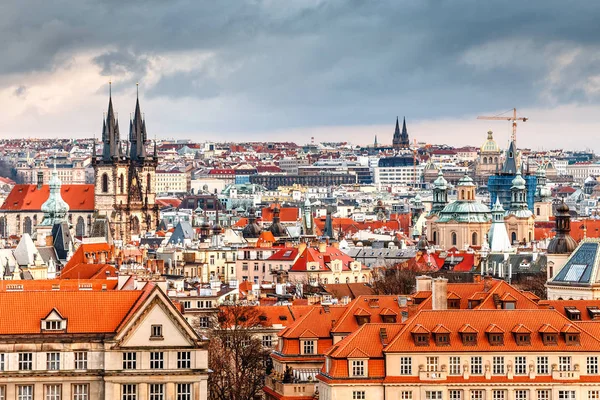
404, 141
396, 139
401, 140
137, 134
110, 133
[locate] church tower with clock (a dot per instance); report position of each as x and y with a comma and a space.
125, 178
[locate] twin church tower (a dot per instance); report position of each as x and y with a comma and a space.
125, 178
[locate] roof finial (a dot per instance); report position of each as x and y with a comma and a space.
137, 90
110, 88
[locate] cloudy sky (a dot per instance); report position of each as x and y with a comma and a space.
291, 69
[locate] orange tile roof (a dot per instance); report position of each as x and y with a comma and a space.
479, 320
60, 285
366, 305
580, 305
85, 311
90, 248
30, 198
312, 255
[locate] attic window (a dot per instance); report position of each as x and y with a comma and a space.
442, 339
594, 312
496, 339
421, 339
363, 319
469, 339
550, 339
523, 339
52, 325
573, 313
53, 322
283, 317
388, 319
453, 304
262, 317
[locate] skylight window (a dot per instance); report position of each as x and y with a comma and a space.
575, 272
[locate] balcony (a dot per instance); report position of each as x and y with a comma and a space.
300, 389
565, 375
433, 375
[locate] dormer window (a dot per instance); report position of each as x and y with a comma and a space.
453, 304
550, 339
420, 335
594, 312
523, 339
442, 339
388, 319
496, 339
469, 339
572, 339
53, 322
573, 313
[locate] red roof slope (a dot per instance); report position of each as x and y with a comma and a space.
30, 198
85, 311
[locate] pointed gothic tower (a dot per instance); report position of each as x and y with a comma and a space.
396, 140
404, 140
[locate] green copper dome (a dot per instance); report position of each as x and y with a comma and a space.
55, 209
465, 211
440, 182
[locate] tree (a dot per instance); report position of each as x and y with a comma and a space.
236, 356
395, 280
535, 284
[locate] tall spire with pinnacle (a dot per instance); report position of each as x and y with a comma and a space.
110, 132
396, 142
404, 140
137, 132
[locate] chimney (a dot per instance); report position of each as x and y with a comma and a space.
423, 283
49, 241
439, 294
40, 179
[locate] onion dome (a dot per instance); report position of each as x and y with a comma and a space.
518, 182
252, 230
440, 182
562, 243
276, 228
466, 181
55, 209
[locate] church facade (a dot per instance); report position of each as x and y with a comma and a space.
125, 178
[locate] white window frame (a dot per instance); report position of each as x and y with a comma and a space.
542, 365
476, 365
157, 360
359, 395
564, 363
24, 392
358, 367
566, 395
53, 391
129, 360
521, 394
433, 364
498, 365
129, 391
498, 394
520, 365
543, 394
455, 365
592, 365
406, 395
184, 391
477, 394
53, 361
433, 395
310, 346
81, 360
81, 391
455, 394
25, 362
405, 365
156, 391
184, 359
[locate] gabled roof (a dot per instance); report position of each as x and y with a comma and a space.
479, 320
374, 306
493, 328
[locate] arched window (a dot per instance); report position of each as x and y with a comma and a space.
3, 227
135, 226
453, 238
513, 237
80, 227
537, 211
474, 239
530, 237
356, 279
325, 281
148, 183
105, 183
121, 184
485, 160
35, 222
347, 280
434, 237
27, 225
364, 278
337, 280
462, 194
495, 160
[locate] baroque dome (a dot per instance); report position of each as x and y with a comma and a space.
490, 145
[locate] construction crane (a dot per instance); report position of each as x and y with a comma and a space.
415, 148
512, 118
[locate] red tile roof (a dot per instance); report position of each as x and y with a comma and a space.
30, 198
311, 255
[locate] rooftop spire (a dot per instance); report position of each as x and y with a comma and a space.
137, 132
110, 132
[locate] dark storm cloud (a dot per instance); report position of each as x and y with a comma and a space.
301, 63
